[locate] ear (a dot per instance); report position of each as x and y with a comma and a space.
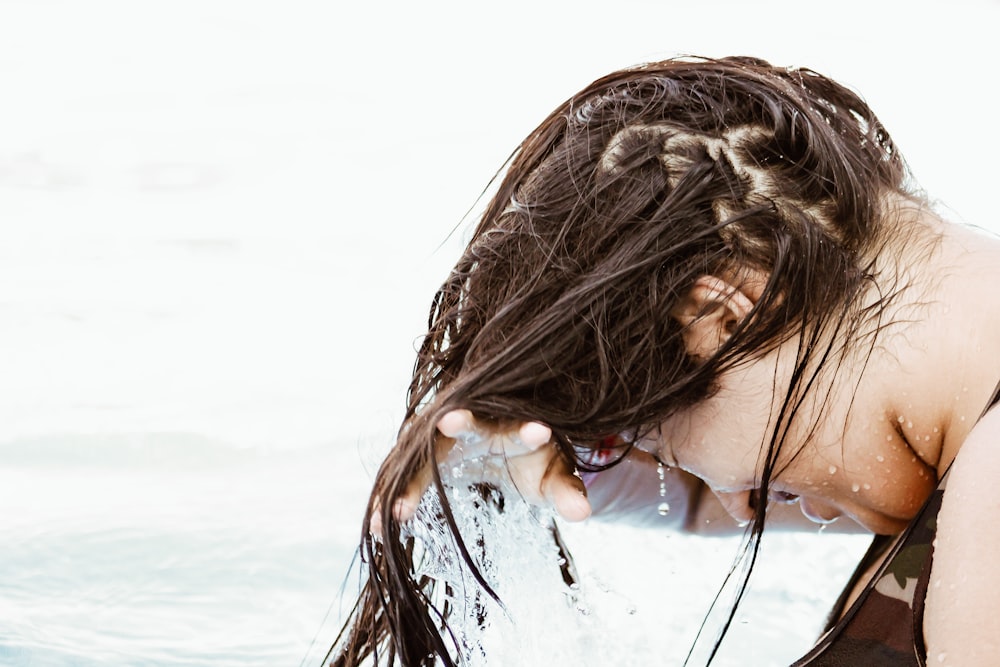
710, 312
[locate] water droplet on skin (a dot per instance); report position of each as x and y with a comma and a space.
888, 438
937, 583
832, 469
855, 487
927, 438
901, 419
867, 486
909, 424
942, 656
880, 458
935, 429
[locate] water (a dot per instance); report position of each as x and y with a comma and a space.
640, 596
166, 562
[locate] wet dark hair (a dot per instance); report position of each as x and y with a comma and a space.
559, 309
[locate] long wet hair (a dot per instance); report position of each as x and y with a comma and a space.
559, 309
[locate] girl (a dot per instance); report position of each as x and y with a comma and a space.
720, 273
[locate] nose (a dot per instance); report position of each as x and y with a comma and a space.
737, 504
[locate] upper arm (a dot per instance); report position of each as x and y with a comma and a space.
961, 622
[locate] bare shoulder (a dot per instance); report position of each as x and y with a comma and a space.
961, 623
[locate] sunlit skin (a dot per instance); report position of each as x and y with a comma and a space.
869, 444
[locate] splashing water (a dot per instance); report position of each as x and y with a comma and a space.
543, 616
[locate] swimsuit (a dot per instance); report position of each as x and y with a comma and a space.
884, 625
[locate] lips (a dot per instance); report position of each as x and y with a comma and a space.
782, 497
773, 496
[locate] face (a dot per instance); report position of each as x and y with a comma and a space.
842, 469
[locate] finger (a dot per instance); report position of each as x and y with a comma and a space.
456, 423
544, 478
405, 506
468, 436
475, 439
566, 492
533, 435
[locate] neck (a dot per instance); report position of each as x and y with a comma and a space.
939, 359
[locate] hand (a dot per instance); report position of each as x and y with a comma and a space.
536, 467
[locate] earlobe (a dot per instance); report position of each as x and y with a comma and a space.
710, 313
